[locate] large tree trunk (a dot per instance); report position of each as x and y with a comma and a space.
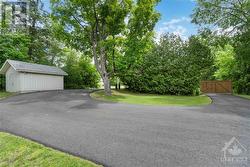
99, 54
107, 87
105, 77
104, 73
100, 63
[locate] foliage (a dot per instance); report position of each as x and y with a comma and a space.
233, 17
88, 25
38, 30
139, 39
81, 73
13, 46
224, 61
124, 96
223, 13
241, 75
212, 40
172, 67
200, 56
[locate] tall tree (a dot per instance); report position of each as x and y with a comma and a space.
232, 14
241, 75
81, 73
139, 41
173, 66
233, 17
13, 46
35, 26
39, 32
87, 26
224, 61
200, 54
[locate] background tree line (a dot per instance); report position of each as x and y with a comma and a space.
35, 42
231, 47
119, 37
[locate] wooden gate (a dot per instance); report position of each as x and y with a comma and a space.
216, 86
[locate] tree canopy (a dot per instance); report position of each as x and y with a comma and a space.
91, 26
118, 37
172, 67
233, 15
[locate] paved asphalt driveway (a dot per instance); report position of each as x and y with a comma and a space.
122, 135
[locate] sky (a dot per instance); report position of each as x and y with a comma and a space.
175, 17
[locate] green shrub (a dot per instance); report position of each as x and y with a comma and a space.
81, 73
173, 67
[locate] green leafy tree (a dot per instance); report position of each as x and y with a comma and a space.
38, 31
223, 13
234, 18
81, 73
13, 46
213, 41
139, 39
201, 56
224, 61
89, 25
241, 75
172, 67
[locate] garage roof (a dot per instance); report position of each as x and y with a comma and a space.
31, 68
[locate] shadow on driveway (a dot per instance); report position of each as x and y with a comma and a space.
123, 135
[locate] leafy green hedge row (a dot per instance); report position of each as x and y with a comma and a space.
172, 67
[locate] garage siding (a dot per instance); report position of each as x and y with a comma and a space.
12, 80
40, 82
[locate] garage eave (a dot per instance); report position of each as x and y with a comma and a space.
5, 67
26, 67
37, 72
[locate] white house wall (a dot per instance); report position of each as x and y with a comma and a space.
12, 80
40, 82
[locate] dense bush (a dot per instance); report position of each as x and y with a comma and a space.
172, 67
232, 62
81, 73
241, 74
13, 46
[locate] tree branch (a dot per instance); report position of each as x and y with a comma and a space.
78, 21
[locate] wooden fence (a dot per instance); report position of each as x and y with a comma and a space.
216, 86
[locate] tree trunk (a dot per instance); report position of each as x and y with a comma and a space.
116, 86
101, 68
107, 88
104, 73
100, 57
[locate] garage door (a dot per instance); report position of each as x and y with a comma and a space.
40, 82
216, 86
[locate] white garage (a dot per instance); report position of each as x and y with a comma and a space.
28, 77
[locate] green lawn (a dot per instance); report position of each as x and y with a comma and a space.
150, 99
245, 96
4, 94
16, 151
